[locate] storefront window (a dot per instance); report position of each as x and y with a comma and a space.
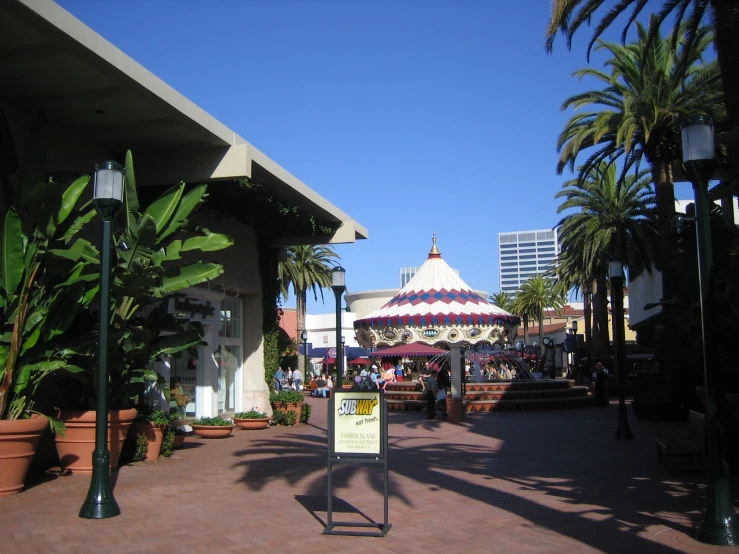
230, 316
183, 372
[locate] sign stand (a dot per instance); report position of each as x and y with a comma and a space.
357, 433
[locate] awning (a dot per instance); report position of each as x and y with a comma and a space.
413, 349
328, 361
359, 361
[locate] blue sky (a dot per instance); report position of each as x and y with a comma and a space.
412, 116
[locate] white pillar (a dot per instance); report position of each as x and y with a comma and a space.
456, 366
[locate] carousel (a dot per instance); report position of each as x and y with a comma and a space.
437, 308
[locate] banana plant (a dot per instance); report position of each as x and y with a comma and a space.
147, 271
45, 282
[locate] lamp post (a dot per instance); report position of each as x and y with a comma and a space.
341, 354
575, 355
338, 283
107, 198
719, 524
616, 272
304, 338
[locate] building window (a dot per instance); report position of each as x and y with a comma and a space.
230, 317
508, 257
508, 264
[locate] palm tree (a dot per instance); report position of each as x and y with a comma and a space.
503, 300
305, 268
568, 16
613, 218
648, 92
572, 274
536, 294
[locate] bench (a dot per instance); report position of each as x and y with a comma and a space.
686, 441
308, 389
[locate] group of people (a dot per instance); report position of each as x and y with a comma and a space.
288, 379
324, 384
435, 382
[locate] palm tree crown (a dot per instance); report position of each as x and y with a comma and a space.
536, 294
611, 218
305, 268
503, 300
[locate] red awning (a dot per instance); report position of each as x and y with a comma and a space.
413, 349
359, 361
329, 361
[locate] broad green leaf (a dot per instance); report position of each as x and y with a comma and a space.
79, 222
80, 250
57, 427
189, 202
31, 340
164, 207
131, 197
207, 243
3, 355
20, 378
11, 253
171, 344
71, 196
190, 275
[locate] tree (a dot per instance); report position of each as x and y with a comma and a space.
612, 217
503, 300
306, 268
567, 16
648, 92
536, 294
572, 274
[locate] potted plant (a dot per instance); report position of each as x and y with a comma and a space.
145, 275
251, 420
41, 291
152, 424
288, 401
212, 427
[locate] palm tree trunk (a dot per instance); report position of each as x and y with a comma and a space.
601, 336
726, 25
588, 325
665, 193
525, 329
300, 301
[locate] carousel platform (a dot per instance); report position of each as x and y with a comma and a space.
498, 395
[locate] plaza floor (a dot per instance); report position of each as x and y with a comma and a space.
533, 482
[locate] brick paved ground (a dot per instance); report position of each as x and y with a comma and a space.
509, 482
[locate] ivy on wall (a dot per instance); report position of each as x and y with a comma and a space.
271, 311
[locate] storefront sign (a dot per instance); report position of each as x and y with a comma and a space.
357, 427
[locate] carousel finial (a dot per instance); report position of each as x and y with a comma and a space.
434, 249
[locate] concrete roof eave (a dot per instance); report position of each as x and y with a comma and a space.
51, 61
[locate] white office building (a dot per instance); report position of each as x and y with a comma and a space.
523, 254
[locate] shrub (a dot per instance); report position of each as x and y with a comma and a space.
305, 414
142, 445
167, 443
157, 417
251, 414
287, 397
217, 421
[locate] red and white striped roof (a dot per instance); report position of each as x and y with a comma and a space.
436, 296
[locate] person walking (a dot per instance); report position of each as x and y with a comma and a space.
280, 379
444, 383
432, 387
297, 379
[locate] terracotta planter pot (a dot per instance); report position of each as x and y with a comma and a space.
154, 435
292, 407
213, 431
252, 424
18, 440
76, 447
179, 440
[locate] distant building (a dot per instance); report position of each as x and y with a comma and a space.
407, 273
523, 254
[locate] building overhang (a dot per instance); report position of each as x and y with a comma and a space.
53, 62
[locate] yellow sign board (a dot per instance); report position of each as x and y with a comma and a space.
357, 426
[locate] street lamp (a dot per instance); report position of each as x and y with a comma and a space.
616, 272
107, 198
719, 525
304, 338
338, 283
